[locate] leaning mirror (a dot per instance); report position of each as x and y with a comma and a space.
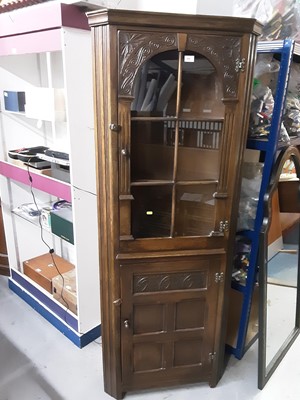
279, 265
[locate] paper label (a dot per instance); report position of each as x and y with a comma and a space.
190, 58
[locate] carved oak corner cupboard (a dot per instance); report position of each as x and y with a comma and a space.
171, 99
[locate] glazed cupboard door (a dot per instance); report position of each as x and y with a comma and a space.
172, 95
173, 163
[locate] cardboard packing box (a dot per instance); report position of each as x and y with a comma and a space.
64, 290
42, 270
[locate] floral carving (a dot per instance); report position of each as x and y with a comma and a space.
135, 49
167, 282
224, 53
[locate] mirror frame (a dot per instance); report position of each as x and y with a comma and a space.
266, 371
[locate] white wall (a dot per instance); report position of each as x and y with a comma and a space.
215, 7
172, 6
208, 7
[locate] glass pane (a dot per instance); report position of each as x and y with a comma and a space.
199, 150
152, 156
201, 120
201, 90
195, 209
279, 266
151, 211
263, 94
155, 86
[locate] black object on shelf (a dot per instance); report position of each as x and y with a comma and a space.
56, 154
30, 156
27, 154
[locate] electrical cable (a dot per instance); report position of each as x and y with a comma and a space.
52, 252
83, 190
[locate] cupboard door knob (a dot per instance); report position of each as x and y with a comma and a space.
126, 323
125, 152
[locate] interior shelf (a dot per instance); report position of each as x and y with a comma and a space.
257, 144
33, 220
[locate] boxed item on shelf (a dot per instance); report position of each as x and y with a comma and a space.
14, 101
42, 270
60, 172
62, 224
30, 156
45, 104
36, 213
64, 290
45, 217
60, 164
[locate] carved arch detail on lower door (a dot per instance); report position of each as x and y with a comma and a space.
171, 281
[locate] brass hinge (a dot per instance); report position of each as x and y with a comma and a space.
115, 127
240, 65
212, 356
219, 277
224, 226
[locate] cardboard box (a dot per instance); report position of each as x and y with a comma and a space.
64, 290
45, 217
62, 224
42, 270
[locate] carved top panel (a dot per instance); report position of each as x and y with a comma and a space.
224, 53
136, 48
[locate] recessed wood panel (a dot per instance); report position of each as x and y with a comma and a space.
190, 314
147, 357
188, 352
148, 318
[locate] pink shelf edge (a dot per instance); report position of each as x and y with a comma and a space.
39, 181
41, 17
31, 43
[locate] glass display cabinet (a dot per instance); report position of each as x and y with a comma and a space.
172, 95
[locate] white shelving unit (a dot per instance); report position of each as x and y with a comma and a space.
45, 51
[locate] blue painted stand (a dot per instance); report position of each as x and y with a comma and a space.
269, 150
61, 319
